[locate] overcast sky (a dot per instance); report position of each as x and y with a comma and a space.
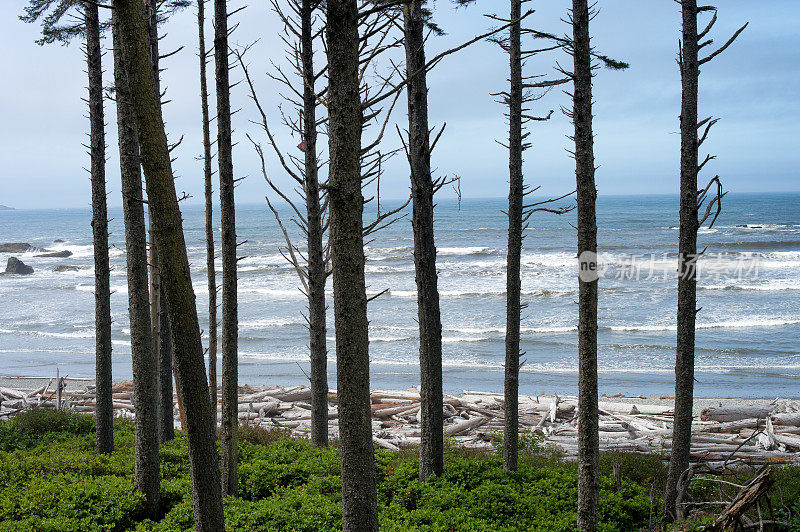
754, 87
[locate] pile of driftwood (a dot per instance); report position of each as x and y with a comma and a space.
765, 433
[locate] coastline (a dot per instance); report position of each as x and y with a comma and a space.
724, 430
76, 383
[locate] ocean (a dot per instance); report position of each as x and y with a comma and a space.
748, 339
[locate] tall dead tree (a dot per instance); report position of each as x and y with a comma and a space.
146, 459
416, 20
230, 323
516, 98
431, 460
359, 496
174, 266
588, 435
299, 36
102, 271
317, 274
162, 336
87, 24
207, 173
691, 201
586, 195
313, 267
513, 259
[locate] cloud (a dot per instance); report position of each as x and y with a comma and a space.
753, 87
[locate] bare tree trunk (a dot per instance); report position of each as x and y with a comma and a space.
588, 436
230, 325
513, 279
146, 472
687, 252
171, 246
102, 275
431, 460
160, 322
210, 251
359, 495
166, 412
316, 259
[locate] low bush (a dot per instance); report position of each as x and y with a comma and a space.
53, 480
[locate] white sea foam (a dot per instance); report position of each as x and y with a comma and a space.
744, 323
50, 334
469, 250
275, 293
767, 286
267, 323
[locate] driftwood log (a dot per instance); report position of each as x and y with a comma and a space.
755, 434
747, 497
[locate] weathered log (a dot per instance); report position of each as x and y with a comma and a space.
629, 408
789, 419
255, 407
385, 444
11, 393
788, 441
731, 426
747, 496
397, 410
735, 412
463, 426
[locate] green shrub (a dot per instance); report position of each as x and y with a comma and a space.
40, 425
74, 502
62, 484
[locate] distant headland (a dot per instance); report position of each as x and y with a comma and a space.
4, 208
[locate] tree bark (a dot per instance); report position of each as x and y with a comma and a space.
513, 279
210, 250
230, 325
166, 411
171, 246
104, 413
316, 259
359, 496
588, 436
431, 460
687, 253
146, 461
160, 321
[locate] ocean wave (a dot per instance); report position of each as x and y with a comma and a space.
272, 259
769, 286
746, 323
49, 334
387, 338
117, 288
277, 293
545, 292
784, 226
382, 268
469, 250
266, 268
760, 244
266, 323
406, 252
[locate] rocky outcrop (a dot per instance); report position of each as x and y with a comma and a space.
66, 268
18, 247
18, 267
56, 254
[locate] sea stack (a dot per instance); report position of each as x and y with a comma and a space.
17, 266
